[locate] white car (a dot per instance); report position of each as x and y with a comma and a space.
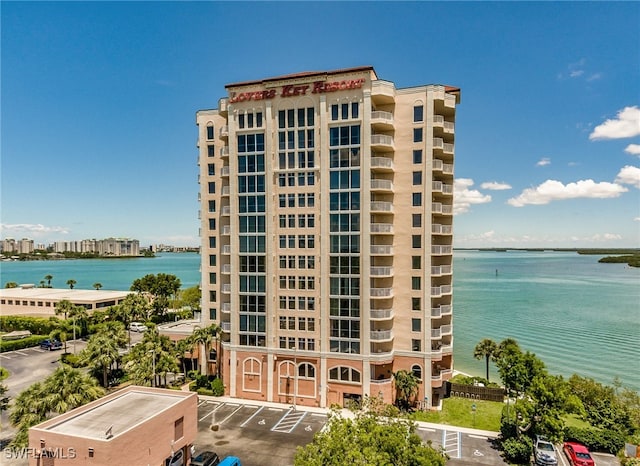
544, 452
137, 327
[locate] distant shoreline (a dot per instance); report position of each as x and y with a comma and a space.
587, 251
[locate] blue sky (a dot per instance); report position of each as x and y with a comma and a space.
99, 100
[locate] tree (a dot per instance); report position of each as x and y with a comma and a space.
376, 435
97, 285
103, 349
154, 356
161, 287
487, 349
64, 307
4, 400
71, 282
133, 307
61, 332
406, 388
11, 285
48, 278
202, 337
65, 389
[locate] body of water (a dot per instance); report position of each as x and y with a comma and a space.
575, 314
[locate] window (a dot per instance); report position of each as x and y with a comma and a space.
416, 241
209, 131
417, 156
418, 113
416, 262
416, 220
417, 371
415, 304
416, 345
415, 283
211, 151
178, 429
417, 178
344, 374
212, 314
416, 199
417, 134
416, 325
212, 187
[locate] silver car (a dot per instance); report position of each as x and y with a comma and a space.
544, 453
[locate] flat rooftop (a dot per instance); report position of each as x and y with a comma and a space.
58, 294
117, 415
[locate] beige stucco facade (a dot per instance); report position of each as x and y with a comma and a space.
327, 232
133, 426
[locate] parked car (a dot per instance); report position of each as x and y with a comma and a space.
50, 345
176, 460
137, 327
544, 453
205, 458
578, 454
230, 461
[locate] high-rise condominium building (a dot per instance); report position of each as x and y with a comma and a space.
326, 226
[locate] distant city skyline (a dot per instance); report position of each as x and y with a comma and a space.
99, 102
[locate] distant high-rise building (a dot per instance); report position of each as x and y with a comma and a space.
326, 227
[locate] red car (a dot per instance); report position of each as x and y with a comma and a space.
578, 454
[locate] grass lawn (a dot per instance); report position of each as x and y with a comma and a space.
458, 412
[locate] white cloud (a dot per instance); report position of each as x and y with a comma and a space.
576, 73
30, 229
633, 149
625, 125
463, 197
543, 161
495, 186
552, 190
629, 175
594, 77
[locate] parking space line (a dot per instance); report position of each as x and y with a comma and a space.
289, 421
251, 417
426, 429
6, 357
239, 407
210, 413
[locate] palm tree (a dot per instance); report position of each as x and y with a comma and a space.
202, 337
487, 349
64, 306
97, 285
11, 285
71, 282
62, 331
153, 356
102, 351
48, 278
406, 388
78, 313
133, 307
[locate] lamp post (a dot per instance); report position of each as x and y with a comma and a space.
153, 367
295, 376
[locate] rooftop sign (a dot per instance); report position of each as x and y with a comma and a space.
318, 87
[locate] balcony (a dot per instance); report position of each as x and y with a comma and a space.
378, 185
381, 206
381, 314
226, 230
381, 335
224, 171
439, 165
226, 288
382, 120
441, 376
223, 106
439, 208
439, 270
224, 132
383, 92
441, 311
226, 308
440, 187
381, 250
226, 269
438, 229
226, 190
441, 331
439, 250
381, 292
226, 249
381, 271
381, 141
225, 326
382, 164
224, 152
438, 291
226, 210
382, 228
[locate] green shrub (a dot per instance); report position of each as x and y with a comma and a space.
12, 345
596, 439
73, 360
217, 387
204, 391
518, 449
36, 325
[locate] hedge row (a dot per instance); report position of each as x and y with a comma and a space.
596, 439
36, 325
12, 345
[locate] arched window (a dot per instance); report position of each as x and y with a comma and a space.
417, 371
210, 133
251, 375
344, 374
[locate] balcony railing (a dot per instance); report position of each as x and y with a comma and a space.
224, 151
381, 140
381, 314
444, 310
226, 210
381, 292
226, 230
226, 288
439, 165
441, 250
438, 208
441, 270
381, 185
441, 187
381, 206
226, 190
224, 171
381, 271
438, 229
437, 291
224, 131
382, 228
226, 268
381, 335
226, 249
380, 116
382, 163
226, 307
225, 326
381, 250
